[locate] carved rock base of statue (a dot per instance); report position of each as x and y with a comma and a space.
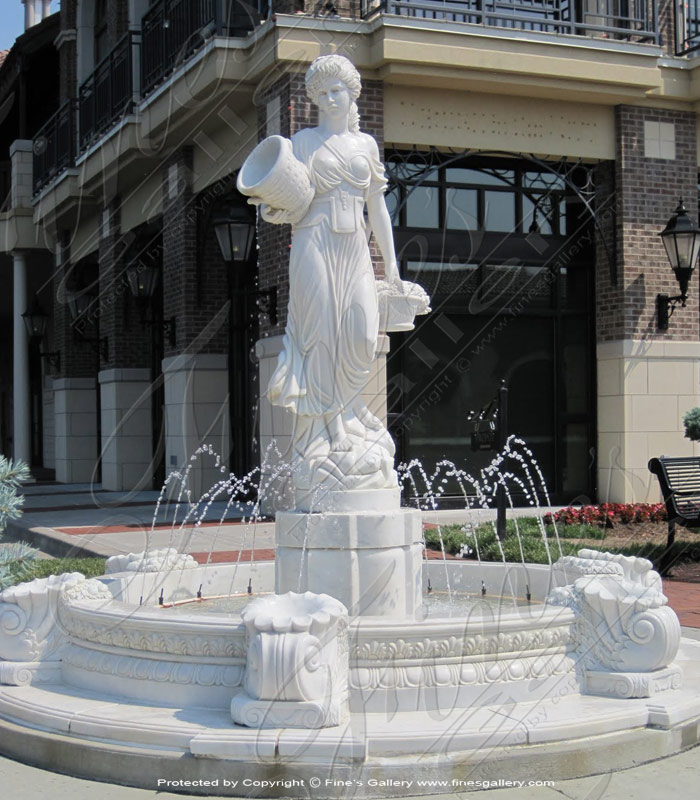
297, 664
370, 560
626, 635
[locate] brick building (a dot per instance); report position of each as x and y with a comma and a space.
534, 153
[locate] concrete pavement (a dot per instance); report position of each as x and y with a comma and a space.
676, 776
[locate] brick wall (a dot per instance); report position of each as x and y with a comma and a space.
120, 318
67, 53
78, 359
667, 25
117, 20
647, 192
609, 294
297, 112
196, 297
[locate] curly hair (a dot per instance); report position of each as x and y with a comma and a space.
335, 66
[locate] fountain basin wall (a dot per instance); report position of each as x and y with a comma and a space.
127, 645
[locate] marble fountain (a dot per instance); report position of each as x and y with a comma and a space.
339, 676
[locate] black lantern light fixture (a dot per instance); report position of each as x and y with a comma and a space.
142, 280
681, 238
35, 319
235, 232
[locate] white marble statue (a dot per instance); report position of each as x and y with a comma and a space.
333, 316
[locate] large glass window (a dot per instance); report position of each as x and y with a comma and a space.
505, 249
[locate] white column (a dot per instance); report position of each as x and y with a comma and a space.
75, 415
29, 14
127, 429
196, 413
20, 354
45, 8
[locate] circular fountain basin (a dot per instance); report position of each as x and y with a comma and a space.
491, 690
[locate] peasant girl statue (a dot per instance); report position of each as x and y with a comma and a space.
334, 173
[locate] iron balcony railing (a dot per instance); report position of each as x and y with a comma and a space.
174, 29
688, 26
54, 146
628, 20
110, 92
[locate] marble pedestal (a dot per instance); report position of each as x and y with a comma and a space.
369, 560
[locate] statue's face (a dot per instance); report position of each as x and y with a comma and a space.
334, 99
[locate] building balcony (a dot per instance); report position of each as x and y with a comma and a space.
173, 30
110, 92
688, 27
54, 146
624, 20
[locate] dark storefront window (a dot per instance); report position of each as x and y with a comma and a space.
506, 252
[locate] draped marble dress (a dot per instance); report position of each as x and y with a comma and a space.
333, 321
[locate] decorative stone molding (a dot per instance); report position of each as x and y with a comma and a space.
462, 647
297, 666
166, 560
159, 671
623, 628
454, 674
31, 639
129, 631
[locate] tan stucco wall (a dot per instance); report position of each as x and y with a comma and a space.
468, 120
221, 150
84, 238
644, 390
142, 202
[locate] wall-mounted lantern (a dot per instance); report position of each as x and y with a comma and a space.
142, 280
35, 319
681, 238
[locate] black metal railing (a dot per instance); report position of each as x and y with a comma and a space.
54, 145
173, 30
688, 26
628, 20
5, 184
109, 93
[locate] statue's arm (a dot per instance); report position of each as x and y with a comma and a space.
378, 215
380, 223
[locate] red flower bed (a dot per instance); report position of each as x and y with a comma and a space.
608, 513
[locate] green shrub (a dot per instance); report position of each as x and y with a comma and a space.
692, 424
17, 560
90, 567
534, 549
11, 476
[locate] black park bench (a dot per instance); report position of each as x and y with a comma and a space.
679, 479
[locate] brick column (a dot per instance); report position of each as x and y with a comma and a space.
75, 387
195, 293
67, 53
647, 379
125, 381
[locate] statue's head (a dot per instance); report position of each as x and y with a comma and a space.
334, 66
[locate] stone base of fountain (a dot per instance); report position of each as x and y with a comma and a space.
370, 561
145, 692
102, 737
